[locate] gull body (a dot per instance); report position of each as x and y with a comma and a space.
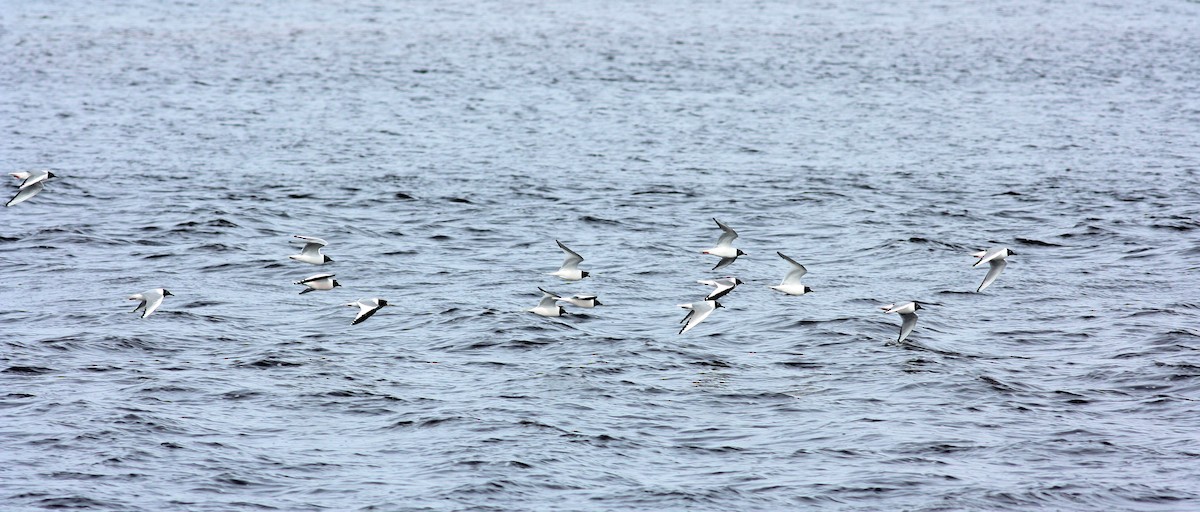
25, 194
150, 300
908, 317
582, 301
994, 257
366, 308
791, 282
28, 178
570, 268
724, 286
699, 311
318, 282
724, 247
311, 253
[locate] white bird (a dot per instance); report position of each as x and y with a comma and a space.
34, 182
582, 301
570, 267
318, 282
30, 177
994, 256
548, 305
791, 282
149, 299
724, 286
311, 253
699, 311
366, 308
908, 315
724, 247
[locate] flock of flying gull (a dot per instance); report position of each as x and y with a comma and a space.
311, 253
34, 181
149, 301
700, 310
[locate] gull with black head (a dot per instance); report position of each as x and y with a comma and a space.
570, 268
724, 247
908, 316
150, 300
311, 253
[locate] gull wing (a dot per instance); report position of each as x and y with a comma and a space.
573, 258
993, 273
550, 293
152, 303
699, 312
548, 301
312, 245
724, 286
725, 262
793, 276
25, 193
365, 310
906, 327
727, 237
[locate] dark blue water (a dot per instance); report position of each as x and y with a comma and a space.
442, 147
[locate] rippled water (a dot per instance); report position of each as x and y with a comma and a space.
442, 147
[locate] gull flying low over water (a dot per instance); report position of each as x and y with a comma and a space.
149, 299
791, 282
724, 247
318, 282
699, 311
32, 184
366, 308
311, 253
994, 256
582, 301
570, 267
724, 286
548, 306
908, 315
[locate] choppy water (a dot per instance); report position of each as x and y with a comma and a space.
442, 147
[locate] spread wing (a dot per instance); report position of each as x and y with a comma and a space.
573, 258
699, 312
548, 300
993, 273
725, 262
906, 327
25, 193
365, 310
152, 303
724, 286
793, 276
312, 245
727, 237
